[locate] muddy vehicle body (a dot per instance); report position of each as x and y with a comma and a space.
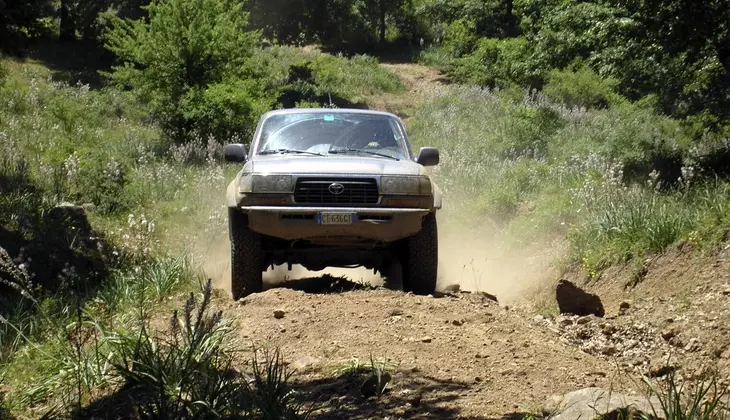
333, 188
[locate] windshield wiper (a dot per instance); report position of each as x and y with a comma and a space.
285, 151
345, 151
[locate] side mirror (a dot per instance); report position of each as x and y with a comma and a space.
428, 156
235, 153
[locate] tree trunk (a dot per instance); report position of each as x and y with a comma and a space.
68, 28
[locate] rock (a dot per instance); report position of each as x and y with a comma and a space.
565, 322
623, 307
670, 333
726, 292
395, 312
279, 314
692, 345
573, 300
67, 216
659, 367
584, 333
452, 288
538, 319
609, 329
584, 320
458, 322
426, 339
305, 362
590, 403
489, 296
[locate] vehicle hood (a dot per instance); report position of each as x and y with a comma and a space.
333, 165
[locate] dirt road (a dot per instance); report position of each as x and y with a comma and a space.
455, 356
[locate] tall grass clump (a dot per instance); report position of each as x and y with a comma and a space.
619, 182
703, 399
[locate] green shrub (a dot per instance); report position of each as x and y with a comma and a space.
581, 88
498, 63
183, 49
460, 38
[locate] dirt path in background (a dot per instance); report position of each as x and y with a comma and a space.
420, 81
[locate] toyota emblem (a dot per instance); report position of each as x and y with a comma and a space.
336, 188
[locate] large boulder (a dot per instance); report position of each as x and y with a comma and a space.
575, 301
67, 218
591, 403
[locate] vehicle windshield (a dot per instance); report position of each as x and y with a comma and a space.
333, 133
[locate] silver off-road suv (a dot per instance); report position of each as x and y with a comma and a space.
333, 188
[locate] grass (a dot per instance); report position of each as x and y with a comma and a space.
534, 168
703, 399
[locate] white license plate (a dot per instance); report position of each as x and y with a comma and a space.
336, 218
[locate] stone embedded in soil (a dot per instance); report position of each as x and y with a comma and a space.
670, 333
395, 312
279, 314
574, 300
426, 339
594, 402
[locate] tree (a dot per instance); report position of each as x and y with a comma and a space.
189, 60
20, 20
376, 13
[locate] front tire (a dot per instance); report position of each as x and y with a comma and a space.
246, 272
420, 271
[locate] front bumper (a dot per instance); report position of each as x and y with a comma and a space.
376, 224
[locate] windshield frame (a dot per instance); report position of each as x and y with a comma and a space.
257, 139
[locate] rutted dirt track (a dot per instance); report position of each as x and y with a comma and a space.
459, 355
464, 355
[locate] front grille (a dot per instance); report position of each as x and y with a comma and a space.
317, 191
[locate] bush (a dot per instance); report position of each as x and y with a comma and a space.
183, 57
190, 374
302, 76
581, 88
497, 63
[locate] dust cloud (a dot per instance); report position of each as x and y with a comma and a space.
485, 260
477, 259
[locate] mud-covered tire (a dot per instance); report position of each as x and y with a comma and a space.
420, 262
246, 272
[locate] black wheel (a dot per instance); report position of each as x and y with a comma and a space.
420, 271
246, 272
392, 274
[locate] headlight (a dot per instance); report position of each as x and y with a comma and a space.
405, 185
265, 184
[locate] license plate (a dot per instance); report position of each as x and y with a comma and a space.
336, 218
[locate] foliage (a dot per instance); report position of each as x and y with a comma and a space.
183, 375
190, 61
496, 63
599, 177
20, 20
703, 399
581, 87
